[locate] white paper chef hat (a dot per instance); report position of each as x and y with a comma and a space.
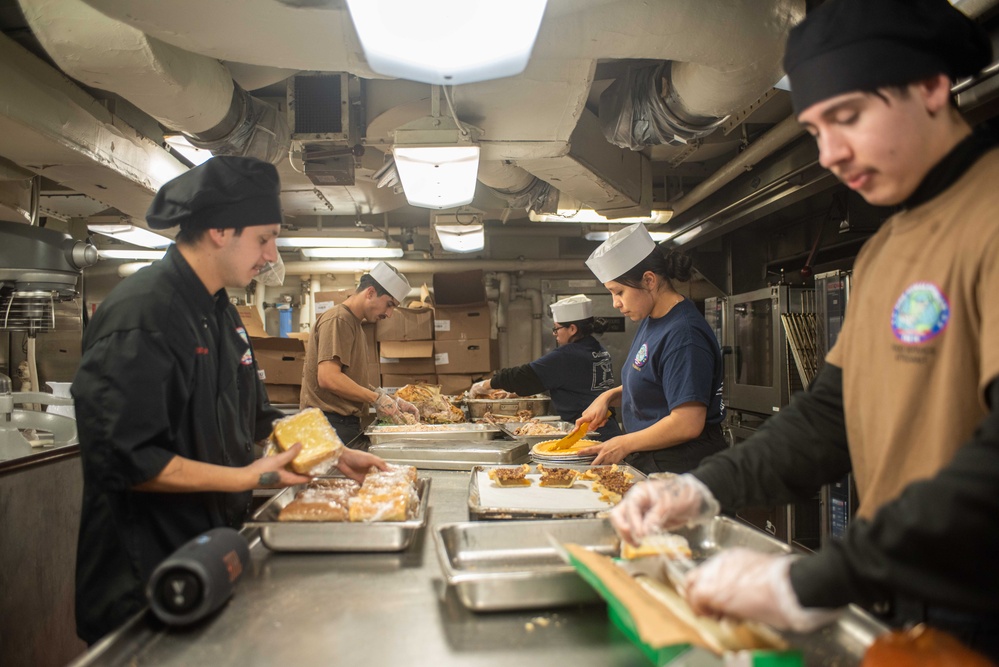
391, 281
572, 308
622, 251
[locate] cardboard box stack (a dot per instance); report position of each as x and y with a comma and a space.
406, 347
463, 350
280, 360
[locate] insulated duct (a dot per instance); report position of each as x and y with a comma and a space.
184, 91
724, 54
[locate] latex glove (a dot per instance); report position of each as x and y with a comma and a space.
387, 407
479, 389
752, 585
662, 504
407, 407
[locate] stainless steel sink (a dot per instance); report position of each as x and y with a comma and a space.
13, 444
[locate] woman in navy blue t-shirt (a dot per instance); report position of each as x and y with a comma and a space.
671, 391
575, 373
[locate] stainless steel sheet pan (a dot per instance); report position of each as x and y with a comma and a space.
440, 432
452, 455
536, 502
335, 535
495, 566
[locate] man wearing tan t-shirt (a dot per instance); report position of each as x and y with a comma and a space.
909, 397
335, 378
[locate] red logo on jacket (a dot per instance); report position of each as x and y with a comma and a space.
201, 350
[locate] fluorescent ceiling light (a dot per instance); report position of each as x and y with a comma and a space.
330, 242
194, 155
447, 42
603, 236
351, 253
131, 254
689, 234
437, 176
131, 234
590, 216
461, 238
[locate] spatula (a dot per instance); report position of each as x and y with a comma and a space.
574, 436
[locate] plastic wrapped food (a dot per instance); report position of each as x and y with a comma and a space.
321, 447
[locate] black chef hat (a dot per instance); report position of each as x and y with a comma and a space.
224, 192
850, 45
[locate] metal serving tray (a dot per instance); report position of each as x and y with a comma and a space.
460, 432
536, 502
513, 565
453, 455
507, 406
336, 535
842, 643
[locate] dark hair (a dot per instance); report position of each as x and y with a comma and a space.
367, 281
589, 326
191, 235
665, 262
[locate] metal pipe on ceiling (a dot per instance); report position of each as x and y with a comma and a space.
434, 265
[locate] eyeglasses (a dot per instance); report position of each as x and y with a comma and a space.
556, 328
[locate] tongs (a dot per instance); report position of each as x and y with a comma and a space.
574, 436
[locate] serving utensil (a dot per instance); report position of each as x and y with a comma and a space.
574, 436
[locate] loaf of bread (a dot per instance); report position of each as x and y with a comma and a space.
320, 443
313, 510
379, 507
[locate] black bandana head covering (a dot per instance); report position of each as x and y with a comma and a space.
224, 192
863, 45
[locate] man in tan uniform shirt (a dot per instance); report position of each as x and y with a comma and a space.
909, 397
335, 378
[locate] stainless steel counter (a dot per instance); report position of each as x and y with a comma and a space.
369, 609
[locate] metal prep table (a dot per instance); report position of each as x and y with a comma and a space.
369, 609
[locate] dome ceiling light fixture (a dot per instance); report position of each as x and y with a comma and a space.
443, 41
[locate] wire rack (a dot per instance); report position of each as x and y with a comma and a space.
801, 338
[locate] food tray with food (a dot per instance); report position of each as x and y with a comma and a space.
535, 430
523, 406
841, 643
496, 566
378, 434
451, 454
584, 497
280, 535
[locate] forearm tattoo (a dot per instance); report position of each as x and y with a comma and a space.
268, 479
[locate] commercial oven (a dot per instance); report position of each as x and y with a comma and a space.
832, 290
758, 377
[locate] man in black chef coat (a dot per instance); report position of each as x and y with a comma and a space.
908, 399
168, 399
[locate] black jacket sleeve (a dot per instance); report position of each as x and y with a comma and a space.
521, 380
789, 459
937, 542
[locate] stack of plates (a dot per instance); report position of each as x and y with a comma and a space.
542, 452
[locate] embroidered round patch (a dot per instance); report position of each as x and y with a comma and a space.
641, 356
920, 314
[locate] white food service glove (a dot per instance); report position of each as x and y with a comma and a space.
663, 504
387, 407
479, 389
407, 407
755, 586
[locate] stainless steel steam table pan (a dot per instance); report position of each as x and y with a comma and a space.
336, 535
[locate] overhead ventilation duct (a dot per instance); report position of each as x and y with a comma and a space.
184, 91
324, 116
642, 109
